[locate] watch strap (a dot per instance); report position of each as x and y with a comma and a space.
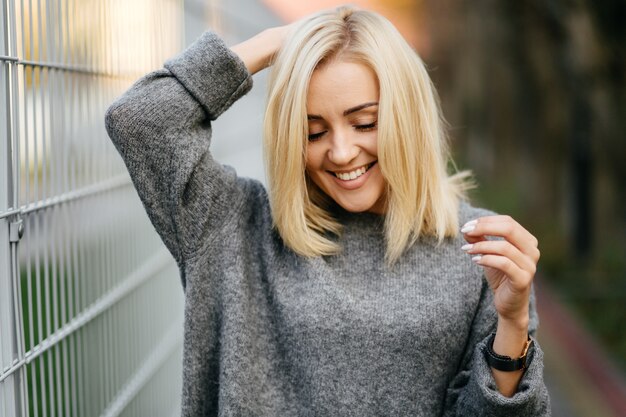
506, 363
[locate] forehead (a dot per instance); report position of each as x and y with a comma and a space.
339, 85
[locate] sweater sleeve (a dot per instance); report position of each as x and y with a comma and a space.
161, 127
473, 391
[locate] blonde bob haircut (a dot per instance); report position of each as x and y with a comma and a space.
422, 200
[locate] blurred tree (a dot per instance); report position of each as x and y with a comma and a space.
535, 94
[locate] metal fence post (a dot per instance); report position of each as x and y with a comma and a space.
12, 388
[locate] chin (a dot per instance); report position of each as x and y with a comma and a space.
355, 207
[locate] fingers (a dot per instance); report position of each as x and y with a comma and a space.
518, 278
516, 256
502, 248
506, 227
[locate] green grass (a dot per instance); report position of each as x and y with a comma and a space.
47, 369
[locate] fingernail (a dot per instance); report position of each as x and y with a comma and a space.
467, 247
468, 228
471, 223
477, 258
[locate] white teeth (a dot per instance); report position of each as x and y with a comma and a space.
351, 175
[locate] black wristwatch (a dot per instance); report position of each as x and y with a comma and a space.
506, 363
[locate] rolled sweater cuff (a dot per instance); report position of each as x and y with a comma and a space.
213, 74
531, 398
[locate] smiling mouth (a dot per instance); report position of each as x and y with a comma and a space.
352, 175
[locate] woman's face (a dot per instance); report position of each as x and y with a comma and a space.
342, 152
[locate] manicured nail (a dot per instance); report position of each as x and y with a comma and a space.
467, 247
477, 258
468, 228
471, 223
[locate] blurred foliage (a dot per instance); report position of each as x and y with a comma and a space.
535, 94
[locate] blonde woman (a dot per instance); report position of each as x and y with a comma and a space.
361, 283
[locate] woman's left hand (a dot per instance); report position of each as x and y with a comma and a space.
509, 264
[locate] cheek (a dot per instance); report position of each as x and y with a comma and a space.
313, 159
373, 144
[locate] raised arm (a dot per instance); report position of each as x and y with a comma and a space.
258, 51
161, 127
474, 390
508, 254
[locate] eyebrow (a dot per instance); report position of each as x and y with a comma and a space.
346, 112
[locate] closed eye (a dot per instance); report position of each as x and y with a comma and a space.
365, 128
315, 136
360, 128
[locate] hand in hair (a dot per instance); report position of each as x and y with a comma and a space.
258, 51
510, 267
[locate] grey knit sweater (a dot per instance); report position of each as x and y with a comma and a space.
270, 333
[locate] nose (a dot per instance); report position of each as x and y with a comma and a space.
343, 149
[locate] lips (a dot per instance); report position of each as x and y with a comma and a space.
353, 183
353, 174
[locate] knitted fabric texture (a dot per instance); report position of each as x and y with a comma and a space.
270, 333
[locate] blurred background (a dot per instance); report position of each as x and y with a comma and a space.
90, 301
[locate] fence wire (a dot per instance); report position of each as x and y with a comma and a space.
90, 301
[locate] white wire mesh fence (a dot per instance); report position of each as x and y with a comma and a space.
90, 301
